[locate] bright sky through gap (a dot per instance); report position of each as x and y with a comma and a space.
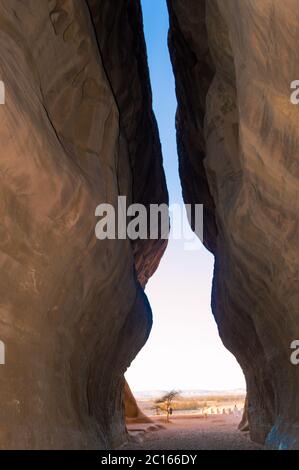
184, 350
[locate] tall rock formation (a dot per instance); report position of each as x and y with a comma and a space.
238, 141
77, 130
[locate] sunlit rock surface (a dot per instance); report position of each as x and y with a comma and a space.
132, 410
238, 140
72, 312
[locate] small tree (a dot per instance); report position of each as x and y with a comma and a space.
166, 400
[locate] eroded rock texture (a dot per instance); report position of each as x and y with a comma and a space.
72, 312
238, 140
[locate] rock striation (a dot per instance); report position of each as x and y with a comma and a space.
77, 130
238, 141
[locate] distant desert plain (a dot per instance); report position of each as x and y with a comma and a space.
194, 402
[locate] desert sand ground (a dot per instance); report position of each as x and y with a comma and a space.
190, 433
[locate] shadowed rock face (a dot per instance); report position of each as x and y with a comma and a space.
72, 312
119, 32
126, 66
238, 144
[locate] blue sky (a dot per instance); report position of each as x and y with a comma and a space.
184, 350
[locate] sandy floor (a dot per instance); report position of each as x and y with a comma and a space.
191, 433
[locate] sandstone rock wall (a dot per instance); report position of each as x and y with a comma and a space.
132, 410
72, 312
238, 141
119, 32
